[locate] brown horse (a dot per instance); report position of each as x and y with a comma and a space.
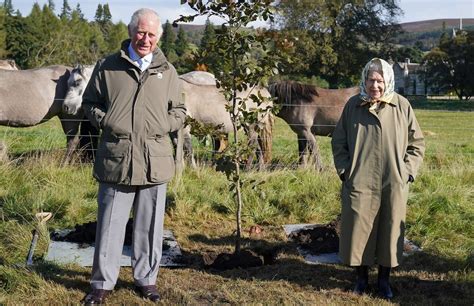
310, 111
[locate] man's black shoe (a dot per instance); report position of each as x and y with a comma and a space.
149, 292
96, 297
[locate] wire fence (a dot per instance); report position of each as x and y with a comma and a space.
441, 141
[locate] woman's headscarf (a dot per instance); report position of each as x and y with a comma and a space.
386, 70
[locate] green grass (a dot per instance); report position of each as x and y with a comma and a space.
200, 212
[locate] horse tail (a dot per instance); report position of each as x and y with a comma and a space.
266, 137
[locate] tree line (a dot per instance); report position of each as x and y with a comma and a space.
328, 42
43, 38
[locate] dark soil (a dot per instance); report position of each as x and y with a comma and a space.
319, 238
85, 234
225, 261
324, 238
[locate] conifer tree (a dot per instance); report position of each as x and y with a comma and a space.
181, 44
51, 5
167, 40
65, 11
205, 55
8, 7
99, 12
78, 12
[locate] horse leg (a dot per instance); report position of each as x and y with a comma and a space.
177, 141
313, 150
70, 126
302, 148
220, 143
188, 147
3, 151
88, 139
255, 143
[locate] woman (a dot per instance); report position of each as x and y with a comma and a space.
378, 147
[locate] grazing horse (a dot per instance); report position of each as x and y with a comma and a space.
310, 111
206, 104
30, 97
8, 64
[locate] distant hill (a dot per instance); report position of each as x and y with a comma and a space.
193, 31
428, 32
435, 24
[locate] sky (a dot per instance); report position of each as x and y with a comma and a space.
414, 10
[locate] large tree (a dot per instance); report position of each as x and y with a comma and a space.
181, 43
205, 58
3, 33
450, 66
8, 7
65, 10
345, 34
168, 41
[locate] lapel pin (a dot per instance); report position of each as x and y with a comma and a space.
159, 75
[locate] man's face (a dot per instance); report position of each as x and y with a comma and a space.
144, 37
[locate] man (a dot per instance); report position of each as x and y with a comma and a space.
134, 97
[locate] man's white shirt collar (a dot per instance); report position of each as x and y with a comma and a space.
141, 63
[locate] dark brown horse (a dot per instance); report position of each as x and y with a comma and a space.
310, 111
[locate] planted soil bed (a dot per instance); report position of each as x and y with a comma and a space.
85, 234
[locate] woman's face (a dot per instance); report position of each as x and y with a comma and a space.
374, 85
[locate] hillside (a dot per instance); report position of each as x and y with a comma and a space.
428, 32
425, 31
193, 31
435, 24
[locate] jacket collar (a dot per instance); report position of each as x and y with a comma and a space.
393, 101
158, 63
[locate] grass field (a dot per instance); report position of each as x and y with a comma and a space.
200, 212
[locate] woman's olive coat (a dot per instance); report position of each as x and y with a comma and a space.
375, 154
136, 112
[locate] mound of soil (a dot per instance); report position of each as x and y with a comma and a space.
225, 261
319, 238
85, 234
324, 238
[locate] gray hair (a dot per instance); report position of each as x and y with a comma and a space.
141, 13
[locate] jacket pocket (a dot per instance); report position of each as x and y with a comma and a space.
112, 161
160, 159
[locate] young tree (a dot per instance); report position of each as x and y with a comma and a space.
240, 71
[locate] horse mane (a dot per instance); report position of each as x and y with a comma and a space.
288, 91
